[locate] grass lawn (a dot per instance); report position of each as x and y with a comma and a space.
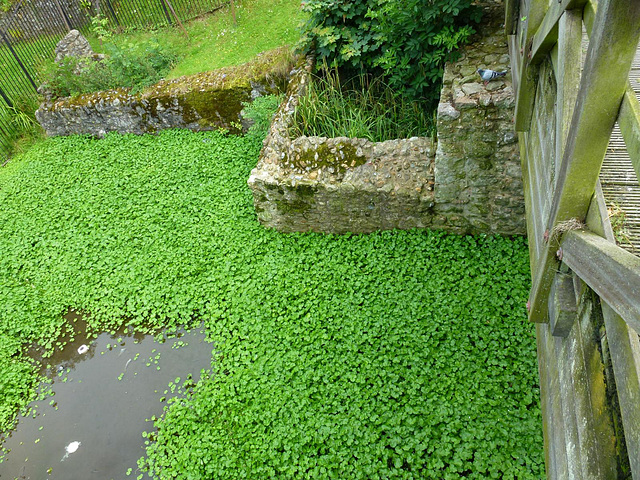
390, 355
215, 41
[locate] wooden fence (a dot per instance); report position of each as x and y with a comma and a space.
571, 61
30, 31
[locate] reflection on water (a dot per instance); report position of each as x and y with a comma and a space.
91, 428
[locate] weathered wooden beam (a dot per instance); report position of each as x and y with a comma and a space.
547, 34
562, 305
589, 15
525, 95
596, 433
629, 121
567, 77
515, 60
583, 432
615, 35
572, 447
624, 349
534, 17
556, 425
529, 203
610, 271
510, 16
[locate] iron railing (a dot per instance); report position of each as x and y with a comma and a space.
30, 31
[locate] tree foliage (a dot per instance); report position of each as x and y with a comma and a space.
407, 40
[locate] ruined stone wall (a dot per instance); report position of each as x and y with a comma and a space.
340, 185
478, 176
470, 183
206, 101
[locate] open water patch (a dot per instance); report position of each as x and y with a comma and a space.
104, 391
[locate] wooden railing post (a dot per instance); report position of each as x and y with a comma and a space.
568, 76
527, 76
615, 36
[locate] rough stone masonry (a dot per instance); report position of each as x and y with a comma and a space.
205, 101
469, 183
477, 165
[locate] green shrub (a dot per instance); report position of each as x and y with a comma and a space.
407, 40
5, 5
362, 107
261, 112
23, 128
139, 65
131, 65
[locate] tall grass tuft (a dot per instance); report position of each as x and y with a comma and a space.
260, 113
23, 128
361, 107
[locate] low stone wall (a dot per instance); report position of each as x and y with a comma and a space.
470, 183
340, 185
357, 186
206, 101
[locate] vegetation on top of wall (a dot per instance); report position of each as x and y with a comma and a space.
408, 41
216, 41
402, 354
132, 66
260, 113
360, 107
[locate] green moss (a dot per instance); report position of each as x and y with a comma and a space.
217, 108
340, 157
269, 67
90, 99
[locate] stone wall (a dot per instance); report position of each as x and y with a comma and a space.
340, 184
478, 176
206, 101
470, 183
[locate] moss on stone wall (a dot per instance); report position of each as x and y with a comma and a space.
338, 156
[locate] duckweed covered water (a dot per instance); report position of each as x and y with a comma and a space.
92, 426
391, 355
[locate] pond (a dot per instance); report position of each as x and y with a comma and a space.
105, 391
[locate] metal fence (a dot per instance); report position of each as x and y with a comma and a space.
30, 31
